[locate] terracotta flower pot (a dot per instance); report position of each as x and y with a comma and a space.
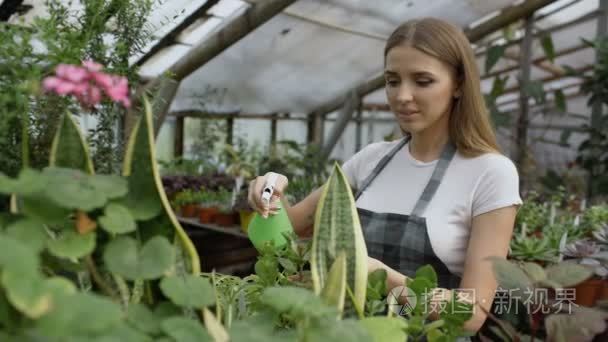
189, 210
206, 215
588, 292
224, 219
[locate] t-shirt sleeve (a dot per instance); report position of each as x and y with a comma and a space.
497, 188
351, 170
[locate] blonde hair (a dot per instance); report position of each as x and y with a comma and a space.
469, 128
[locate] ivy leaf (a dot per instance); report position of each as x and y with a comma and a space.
117, 219
80, 314
185, 330
385, 328
494, 53
31, 233
27, 292
39, 207
547, 43
112, 186
141, 318
297, 301
188, 291
29, 182
346, 330
122, 256
16, 256
72, 245
72, 189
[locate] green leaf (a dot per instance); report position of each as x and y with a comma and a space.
337, 228
547, 43
498, 86
427, 272
185, 330
117, 219
17, 257
560, 100
111, 186
494, 53
44, 210
511, 277
29, 182
122, 256
376, 284
72, 245
385, 328
568, 274
31, 233
257, 328
288, 265
142, 319
72, 189
188, 291
69, 148
534, 271
297, 301
334, 292
27, 292
121, 332
580, 325
346, 330
80, 314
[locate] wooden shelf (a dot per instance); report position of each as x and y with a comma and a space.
231, 230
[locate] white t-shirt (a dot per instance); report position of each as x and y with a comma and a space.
470, 187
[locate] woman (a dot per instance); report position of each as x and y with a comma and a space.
443, 195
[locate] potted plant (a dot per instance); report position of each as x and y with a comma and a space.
590, 254
208, 206
225, 215
242, 208
533, 249
187, 203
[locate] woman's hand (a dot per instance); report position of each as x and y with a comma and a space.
256, 187
374, 264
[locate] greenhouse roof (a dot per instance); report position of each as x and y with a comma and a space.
315, 51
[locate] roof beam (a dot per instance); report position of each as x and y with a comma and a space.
507, 16
215, 44
171, 37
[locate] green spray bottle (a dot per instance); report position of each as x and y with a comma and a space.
262, 230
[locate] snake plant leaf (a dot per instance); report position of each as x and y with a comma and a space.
214, 327
337, 228
69, 148
334, 291
146, 198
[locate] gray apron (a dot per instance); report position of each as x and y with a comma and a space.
401, 241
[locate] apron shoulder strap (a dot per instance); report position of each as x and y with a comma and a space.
381, 165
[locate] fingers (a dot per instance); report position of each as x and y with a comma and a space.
254, 196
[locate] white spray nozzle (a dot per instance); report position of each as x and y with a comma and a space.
269, 188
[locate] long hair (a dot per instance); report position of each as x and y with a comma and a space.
469, 125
